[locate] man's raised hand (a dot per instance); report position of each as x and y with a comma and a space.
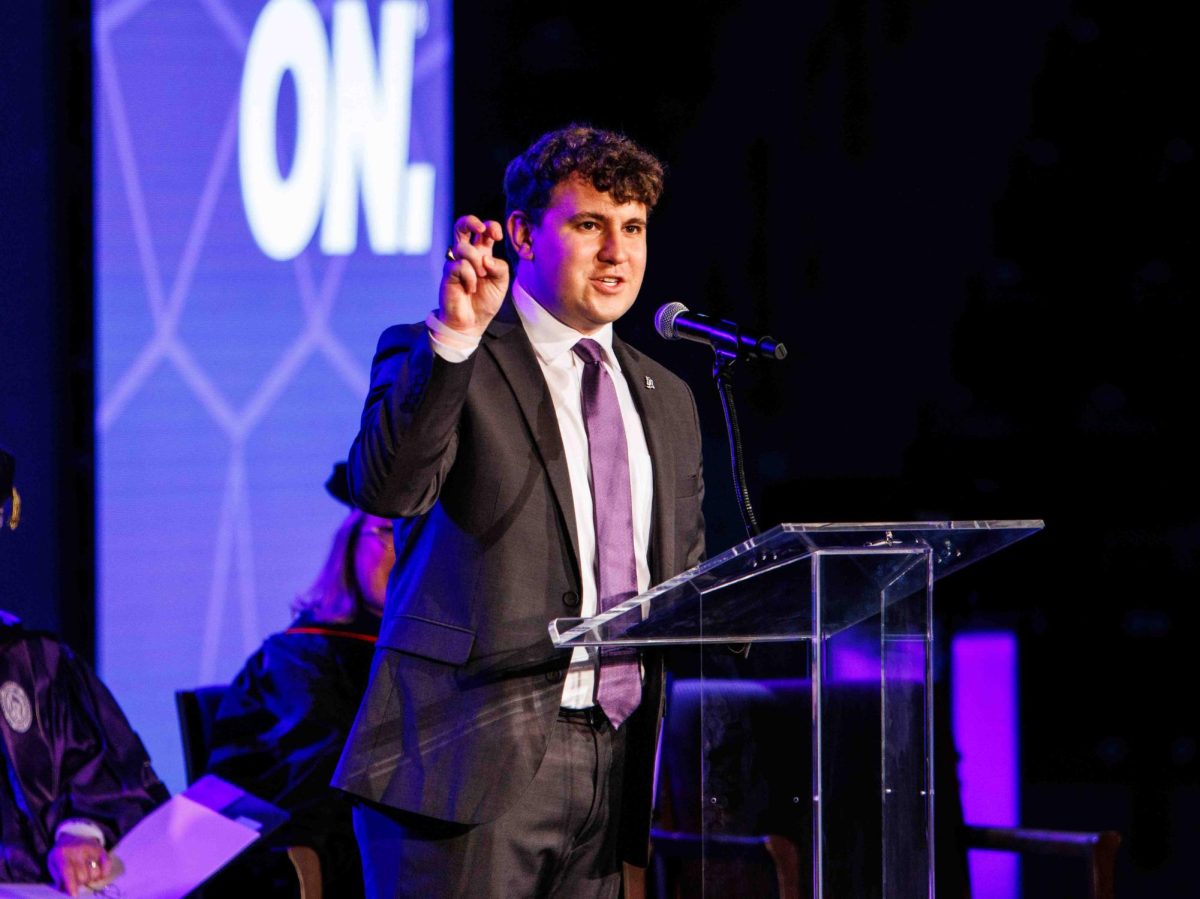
475, 281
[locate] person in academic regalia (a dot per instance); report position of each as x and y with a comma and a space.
76, 777
280, 728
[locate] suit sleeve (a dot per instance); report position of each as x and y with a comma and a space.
408, 436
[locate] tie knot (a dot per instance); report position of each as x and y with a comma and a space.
588, 350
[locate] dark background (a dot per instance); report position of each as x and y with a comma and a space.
974, 225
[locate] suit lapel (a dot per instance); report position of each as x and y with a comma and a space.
508, 344
662, 459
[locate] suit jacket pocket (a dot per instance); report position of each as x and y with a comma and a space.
428, 639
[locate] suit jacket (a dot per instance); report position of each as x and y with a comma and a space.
466, 685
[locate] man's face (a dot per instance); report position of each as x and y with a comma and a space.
584, 262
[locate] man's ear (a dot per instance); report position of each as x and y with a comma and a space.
520, 234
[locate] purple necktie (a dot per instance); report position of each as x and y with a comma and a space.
619, 681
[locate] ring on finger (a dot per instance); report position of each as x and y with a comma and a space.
93, 865
450, 254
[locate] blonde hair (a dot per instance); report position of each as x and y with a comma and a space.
336, 596
11, 506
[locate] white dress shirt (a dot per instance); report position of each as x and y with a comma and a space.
563, 370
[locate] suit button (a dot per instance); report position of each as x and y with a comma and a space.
570, 599
554, 676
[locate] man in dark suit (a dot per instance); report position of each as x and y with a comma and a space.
538, 467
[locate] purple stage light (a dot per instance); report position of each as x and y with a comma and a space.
984, 705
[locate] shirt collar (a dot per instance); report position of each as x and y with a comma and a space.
552, 339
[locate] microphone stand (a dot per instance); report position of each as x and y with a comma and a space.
723, 374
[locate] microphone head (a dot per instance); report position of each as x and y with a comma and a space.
664, 319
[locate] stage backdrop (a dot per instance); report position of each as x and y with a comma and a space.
272, 190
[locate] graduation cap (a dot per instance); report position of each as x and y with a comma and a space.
338, 485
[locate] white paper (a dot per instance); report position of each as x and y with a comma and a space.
29, 891
176, 848
170, 852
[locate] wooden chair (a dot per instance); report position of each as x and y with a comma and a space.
750, 847
759, 718
1097, 848
778, 853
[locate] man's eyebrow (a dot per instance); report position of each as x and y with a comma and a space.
589, 215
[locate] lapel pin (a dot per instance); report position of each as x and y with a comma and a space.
649, 383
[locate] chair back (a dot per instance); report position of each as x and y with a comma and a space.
755, 734
197, 710
733, 755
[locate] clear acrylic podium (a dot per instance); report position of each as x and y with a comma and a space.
841, 619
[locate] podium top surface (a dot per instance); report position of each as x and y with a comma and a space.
795, 581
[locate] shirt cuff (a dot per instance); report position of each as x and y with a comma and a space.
451, 345
80, 827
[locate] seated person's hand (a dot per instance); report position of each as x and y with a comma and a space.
77, 862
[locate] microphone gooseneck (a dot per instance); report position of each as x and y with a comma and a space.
673, 321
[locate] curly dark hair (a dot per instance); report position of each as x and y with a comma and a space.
612, 162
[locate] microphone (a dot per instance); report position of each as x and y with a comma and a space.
673, 321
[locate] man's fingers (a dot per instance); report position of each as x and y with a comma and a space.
494, 269
473, 280
464, 273
469, 275
466, 226
470, 227
474, 238
468, 231
491, 233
